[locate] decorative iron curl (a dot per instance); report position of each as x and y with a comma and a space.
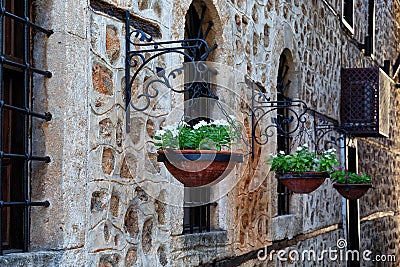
262, 107
295, 124
323, 127
149, 50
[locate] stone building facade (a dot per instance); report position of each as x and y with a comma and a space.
112, 203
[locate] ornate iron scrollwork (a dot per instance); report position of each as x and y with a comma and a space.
264, 109
192, 50
293, 123
299, 123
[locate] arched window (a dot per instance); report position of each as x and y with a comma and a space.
197, 210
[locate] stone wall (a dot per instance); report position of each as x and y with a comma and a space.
380, 156
113, 204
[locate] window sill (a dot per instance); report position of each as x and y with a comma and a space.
213, 238
286, 226
31, 259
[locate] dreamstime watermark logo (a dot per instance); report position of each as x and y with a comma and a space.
338, 253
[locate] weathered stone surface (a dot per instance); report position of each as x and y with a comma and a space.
150, 127
162, 255
98, 201
109, 260
102, 79
136, 134
141, 194
131, 256
160, 207
147, 235
152, 165
105, 128
131, 221
119, 133
114, 204
128, 167
32, 259
101, 214
108, 161
112, 43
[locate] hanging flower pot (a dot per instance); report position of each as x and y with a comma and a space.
352, 191
303, 171
199, 167
351, 185
196, 154
303, 183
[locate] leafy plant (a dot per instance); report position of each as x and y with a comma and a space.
214, 135
304, 160
341, 176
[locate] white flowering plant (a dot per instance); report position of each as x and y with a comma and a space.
214, 135
304, 160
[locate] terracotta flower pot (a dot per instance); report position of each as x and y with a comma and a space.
352, 191
304, 183
199, 167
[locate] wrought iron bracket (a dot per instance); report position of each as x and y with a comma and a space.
141, 50
297, 123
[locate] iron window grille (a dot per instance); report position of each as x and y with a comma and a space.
197, 210
365, 101
197, 219
16, 117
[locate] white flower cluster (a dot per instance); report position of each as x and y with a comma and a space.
302, 147
214, 123
220, 123
329, 153
174, 129
200, 124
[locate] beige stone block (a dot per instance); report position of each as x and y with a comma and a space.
76, 18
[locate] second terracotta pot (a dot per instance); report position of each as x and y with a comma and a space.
303, 183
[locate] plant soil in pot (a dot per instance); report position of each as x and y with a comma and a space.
303, 183
199, 167
352, 191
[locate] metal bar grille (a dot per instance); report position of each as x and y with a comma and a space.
25, 66
22, 65
198, 219
1, 120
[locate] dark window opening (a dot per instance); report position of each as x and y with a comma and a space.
353, 210
16, 70
352, 159
197, 210
197, 28
197, 217
348, 13
371, 24
283, 140
12, 169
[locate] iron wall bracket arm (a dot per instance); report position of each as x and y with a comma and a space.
192, 50
294, 120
